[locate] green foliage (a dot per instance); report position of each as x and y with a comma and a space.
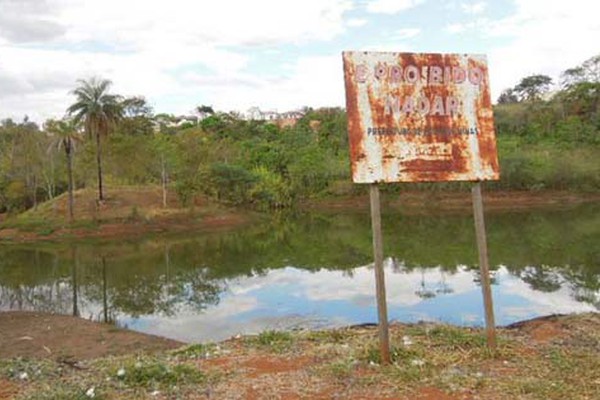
197, 350
229, 183
16, 196
269, 190
545, 142
275, 340
156, 374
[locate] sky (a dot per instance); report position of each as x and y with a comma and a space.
275, 55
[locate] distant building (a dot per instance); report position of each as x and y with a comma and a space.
288, 118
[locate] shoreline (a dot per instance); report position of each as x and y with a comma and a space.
119, 224
552, 357
18, 341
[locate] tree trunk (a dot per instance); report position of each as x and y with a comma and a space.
104, 290
164, 180
70, 183
99, 163
35, 192
74, 260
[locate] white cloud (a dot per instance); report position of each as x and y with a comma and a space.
478, 24
310, 81
545, 37
456, 28
406, 33
473, 8
391, 6
142, 47
356, 22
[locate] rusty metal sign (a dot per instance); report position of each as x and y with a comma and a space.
419, 117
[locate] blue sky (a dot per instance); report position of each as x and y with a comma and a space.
277, 55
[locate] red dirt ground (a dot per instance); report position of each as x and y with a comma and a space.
60, 337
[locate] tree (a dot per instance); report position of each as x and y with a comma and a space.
508, 96
581, 88
532, 87
99, 111
588, 71
137, 117
204, 111
65, 135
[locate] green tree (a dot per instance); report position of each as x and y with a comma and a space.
65, 135
508, 96
99, 111
137, 117
532, 87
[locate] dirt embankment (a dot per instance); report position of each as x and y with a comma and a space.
418, 201
126, 212
62, 337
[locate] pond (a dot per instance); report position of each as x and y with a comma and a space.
314, 271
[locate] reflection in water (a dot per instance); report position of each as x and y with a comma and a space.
313, 271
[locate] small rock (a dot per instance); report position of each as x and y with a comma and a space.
155, 393
407, 341
138, 365
91, 392
23, 376
121, 372
417, 362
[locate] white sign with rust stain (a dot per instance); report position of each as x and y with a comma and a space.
419, 117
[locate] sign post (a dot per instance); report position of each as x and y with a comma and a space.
384, 341
420, 117
486, 288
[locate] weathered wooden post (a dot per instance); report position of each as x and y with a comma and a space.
384, 341
486, 287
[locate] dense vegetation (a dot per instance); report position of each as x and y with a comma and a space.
546, 141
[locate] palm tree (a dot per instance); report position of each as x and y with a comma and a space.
99, 111
65, 135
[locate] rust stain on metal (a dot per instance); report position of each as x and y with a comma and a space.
419, 117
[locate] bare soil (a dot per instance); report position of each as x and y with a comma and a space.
544, 358
125, 212
61, 337
444, 201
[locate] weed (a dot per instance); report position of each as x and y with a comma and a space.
45, 231
61, 391
276, 340
341, 369
197, 350
455, 337
333, 336
151, 374
398, 355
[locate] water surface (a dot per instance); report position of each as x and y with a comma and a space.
312, 271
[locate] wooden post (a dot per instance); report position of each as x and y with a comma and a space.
384, 341
486, 288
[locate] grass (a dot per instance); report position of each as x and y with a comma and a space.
449, 359
156, 374
278, 341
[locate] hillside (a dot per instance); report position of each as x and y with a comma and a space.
126, 211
